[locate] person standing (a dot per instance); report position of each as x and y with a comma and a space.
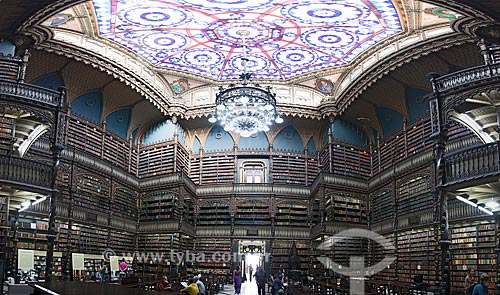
250, 271
260, 279
123, 266
470, 279
482, 287
237, 281
102, 272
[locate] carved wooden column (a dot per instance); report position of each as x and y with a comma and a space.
176, 149
441, 228
14, 228
67, 267
58, 140
395, 226
330, 150
497, 251
111, 202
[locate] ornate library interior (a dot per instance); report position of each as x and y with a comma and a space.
341, 146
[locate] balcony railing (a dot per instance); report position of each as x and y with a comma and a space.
25, 172
255, 188
472, 163
466, 77
31, 93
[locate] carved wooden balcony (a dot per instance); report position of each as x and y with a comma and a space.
26, 174
472, 164
13, 88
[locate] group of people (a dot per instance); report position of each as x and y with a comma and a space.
260, 279
103, 270
472, 287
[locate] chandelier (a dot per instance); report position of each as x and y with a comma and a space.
243, 108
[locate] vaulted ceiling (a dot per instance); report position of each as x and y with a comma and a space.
122, 51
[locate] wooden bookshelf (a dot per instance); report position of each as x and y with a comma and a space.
378, 252
397, 147
182, 159
217, 168
85, 135
252, 213
288, 168
315, 264
350, 160
214, 213
156, 159
117, 150
92, 194
315, 212
5, 224
381, 206
458, 131
125, 203
312, 169
91, 138
279, 251
215, 255
293, 214
155, 253
414, 195
325, 160
64, 239
472, 245
345, 248
486, 255
92, 240
415, 255
121, 242
418, 136
342, 207
463, 253
6, 134
92, 264
32, 234
195, 169
40, 264
158, 206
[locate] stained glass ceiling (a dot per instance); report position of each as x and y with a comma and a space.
284, 39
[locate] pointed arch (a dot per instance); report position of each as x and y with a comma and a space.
7, 48
52, 81
258, 141
347, 132
311, 146
218, 140
88, 106
118, 121
416, 102
288, 139
158, 132
390, 120
196, 145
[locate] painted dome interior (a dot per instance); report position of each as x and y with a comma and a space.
284, 39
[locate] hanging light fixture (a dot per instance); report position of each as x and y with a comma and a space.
245, 109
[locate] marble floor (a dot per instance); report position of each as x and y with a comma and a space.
247, 288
